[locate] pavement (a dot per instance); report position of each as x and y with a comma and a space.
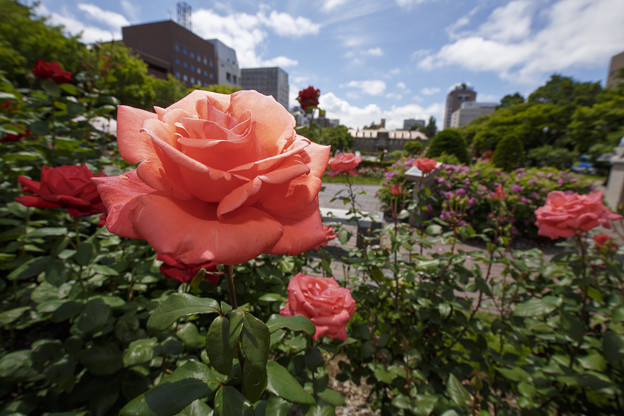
332, 195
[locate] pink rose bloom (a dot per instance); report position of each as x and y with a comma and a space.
321, 300
564, 215
344, 162
330, 235
601, 239
222, 178
425, 165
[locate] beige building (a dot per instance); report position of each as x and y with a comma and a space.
617, 63
460, 93
382, 139
470, 111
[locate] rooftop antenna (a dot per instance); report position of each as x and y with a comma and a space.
184, 15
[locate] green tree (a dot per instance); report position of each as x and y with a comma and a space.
556, 157
565, 91
431, 129
510, 100
449, 141
413, 147
509, 153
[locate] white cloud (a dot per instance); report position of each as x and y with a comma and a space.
329, 5
281, 61
110, 19
132, 10
408, 4
394, 96
286, 25
74, 26
401, 86
370, 87
358, 117
429, 90
374, 52
576, 33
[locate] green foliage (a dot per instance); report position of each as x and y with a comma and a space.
548, 155
337, 137
510, 100
509, 154
431, 129
564, 91
448, 141
413, 147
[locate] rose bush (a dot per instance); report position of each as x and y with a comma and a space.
52, 70
184, 273
344, 163
221, 179
566, 214
425, 165
321, 300
68, 187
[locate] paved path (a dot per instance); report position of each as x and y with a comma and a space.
365, 196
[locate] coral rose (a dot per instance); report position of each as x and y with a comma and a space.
564, 215
222, 179
396, 190
601, 239
321, 300
344, 162
44, 70
173, 268
425, 165
329, 235
68, 187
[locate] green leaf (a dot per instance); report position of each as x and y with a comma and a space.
70, 89
189, 335
140, 351
47, 232
514, 374
230, 402
217, 345
534, 308
458, 393
166, 399
178, 305
29, 269
277, 407
16, 365
272, 297
87, 252
94, 317
294, 323
12, 315
611, 346
284, 385
102, 359
255, 343
332, 397
321, 411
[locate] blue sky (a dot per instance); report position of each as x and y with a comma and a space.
392, 59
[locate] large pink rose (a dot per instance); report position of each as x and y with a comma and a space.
321, 300
344, 162
222, 179
564, 215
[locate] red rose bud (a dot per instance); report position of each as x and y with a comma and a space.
52, 70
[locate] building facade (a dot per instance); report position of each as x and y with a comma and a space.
228, 72
268, 81
382, 139
469, 111
616, 64
460, 93
409, 122
169, 48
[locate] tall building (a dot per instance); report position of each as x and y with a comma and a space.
470, 110
228, 71
461, 93
170, 48
617, 63
268, 81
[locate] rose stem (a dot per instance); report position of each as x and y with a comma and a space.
230, 281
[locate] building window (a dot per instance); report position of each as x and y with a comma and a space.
198, 59
176, 47
177, 75
192, 80
199, 71
184, 50
185, 78
234, 76
192, 55
177, 61
211, 63
199, 82
192, 67
205, 73
228, 76
184, 64
211, 76
205, 61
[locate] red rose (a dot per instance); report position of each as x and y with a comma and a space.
344, 162
173, 268
601, 239
564, 215
425, 165
222, 179
68, 187
14, 137
396, 191
330, 235
321, 300
308, 98
499, 195
44, 70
